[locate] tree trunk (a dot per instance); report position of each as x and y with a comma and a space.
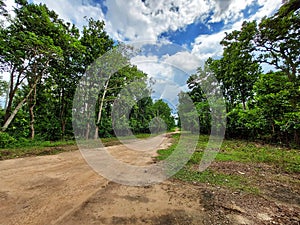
32, 103
62, 115
13, 114
87, 133
100, 109
244, 105
13, 87
19, 106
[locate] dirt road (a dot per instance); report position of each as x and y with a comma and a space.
63, 189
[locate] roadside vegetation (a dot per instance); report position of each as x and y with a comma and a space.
260, 105
237, 164
46, 60
27, 148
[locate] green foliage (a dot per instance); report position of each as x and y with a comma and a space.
6, 140
277, 40
263, 106
283, 160
162, 110
237, 70
46, 58
287, 160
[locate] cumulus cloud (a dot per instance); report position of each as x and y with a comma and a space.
268, 8
154, 67
164, 75
229, 10
74, 11
146, 20
184, 61
206, 46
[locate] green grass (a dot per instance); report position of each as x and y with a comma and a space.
286, 160
216, 179
246, 152
26, 148
36, 148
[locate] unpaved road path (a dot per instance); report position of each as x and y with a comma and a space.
63, 189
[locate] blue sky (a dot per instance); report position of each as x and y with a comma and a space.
189, 31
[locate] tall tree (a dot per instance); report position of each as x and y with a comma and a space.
278, 40
237, 69
96, 43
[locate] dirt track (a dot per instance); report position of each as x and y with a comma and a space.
63, 189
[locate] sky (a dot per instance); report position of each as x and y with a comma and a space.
184, 33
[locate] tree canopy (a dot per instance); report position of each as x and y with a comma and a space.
259, 105
46, 58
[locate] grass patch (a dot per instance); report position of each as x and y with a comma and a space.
26, 148
286, 160
36, 148
217, 179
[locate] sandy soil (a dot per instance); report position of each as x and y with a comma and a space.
63, 189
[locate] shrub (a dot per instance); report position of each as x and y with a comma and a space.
6, 140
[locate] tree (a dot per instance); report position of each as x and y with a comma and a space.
237, 69
188, 115
96, 43
27, 49
65, 75
162, 110
278, 40
272, 105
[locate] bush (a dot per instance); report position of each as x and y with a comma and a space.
6, 140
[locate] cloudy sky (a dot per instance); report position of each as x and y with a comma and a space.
198, 25
190, 30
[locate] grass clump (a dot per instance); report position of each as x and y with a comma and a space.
286, 160
208, 176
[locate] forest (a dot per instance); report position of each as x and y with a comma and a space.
46, 58
260, 105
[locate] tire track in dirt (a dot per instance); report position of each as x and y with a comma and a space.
63, 190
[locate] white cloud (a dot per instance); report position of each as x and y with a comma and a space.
154, 67
74, 11
206, 46
269, 7
9, 6
164, 74
135, 20
229, 10
184, 61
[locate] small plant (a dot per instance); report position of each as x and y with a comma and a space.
6, 140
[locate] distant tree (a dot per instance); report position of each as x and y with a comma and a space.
162, 110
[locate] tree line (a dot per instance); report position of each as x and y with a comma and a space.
45, 58
259, 105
